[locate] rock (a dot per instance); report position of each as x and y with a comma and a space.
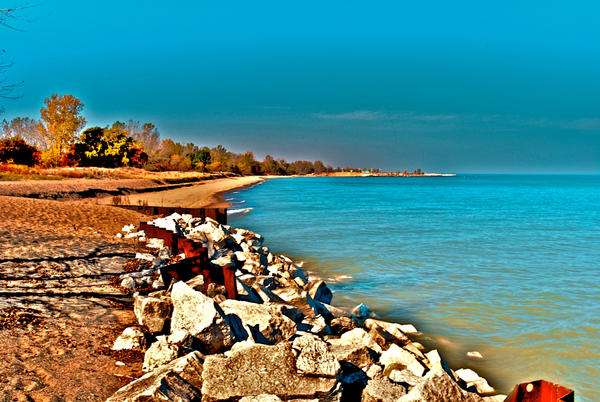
159, 353
404, 377
356, 354
319, 291
437, 362
314, 357
335, 312
342, 324
128, 228
398, 358
144, 256
299, 281
128, 283
260, 322
475, 355
362, 311
474, 380
408, 329
246, 293
261, 369
317, 325
214, 289
197, 283
290, 312
391, 328
438, 386
412, 348
382, 337
361, 337
381, 389
132, 338
180, 380
152, 312
201, 317
266, 295
291, 295
224, 260
374, 371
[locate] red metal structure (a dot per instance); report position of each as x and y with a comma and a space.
540, 391
196, 261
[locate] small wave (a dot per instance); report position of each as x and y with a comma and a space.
238, 211
229, 199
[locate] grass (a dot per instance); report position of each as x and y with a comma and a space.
6, 176
11, 172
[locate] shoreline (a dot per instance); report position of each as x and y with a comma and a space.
279, 308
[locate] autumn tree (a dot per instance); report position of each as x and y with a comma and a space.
107, 147
319, 167
221, 159
247, 165
16, 150
61, 123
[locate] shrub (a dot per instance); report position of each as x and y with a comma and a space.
16, 150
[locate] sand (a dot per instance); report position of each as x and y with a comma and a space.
59, 312
199, 195
57, 260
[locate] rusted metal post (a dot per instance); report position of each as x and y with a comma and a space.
540, 391
229, 281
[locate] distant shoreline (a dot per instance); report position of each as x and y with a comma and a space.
385, 174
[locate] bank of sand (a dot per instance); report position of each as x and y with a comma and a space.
199, 195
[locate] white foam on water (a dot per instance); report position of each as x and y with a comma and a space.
238, 211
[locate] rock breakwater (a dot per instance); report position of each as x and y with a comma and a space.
281, 339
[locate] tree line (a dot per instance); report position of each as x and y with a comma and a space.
57, 139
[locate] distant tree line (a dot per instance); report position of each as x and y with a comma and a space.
56, 139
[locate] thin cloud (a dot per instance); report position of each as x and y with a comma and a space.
355, 115
583, 124
371, 115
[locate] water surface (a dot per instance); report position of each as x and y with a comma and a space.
504, 265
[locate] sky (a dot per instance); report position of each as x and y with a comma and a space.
461, 86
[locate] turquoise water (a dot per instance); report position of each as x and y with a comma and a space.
505, 265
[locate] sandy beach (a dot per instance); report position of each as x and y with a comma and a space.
59, 312
199, 195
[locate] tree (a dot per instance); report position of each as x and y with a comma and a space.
319, 167
26, 128
200, 159
246, 164
146, 135
62, 122
221, 159
168, 148
15, 150
107, 147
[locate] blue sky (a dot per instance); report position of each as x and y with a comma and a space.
461, 86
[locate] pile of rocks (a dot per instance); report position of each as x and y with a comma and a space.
282, 340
